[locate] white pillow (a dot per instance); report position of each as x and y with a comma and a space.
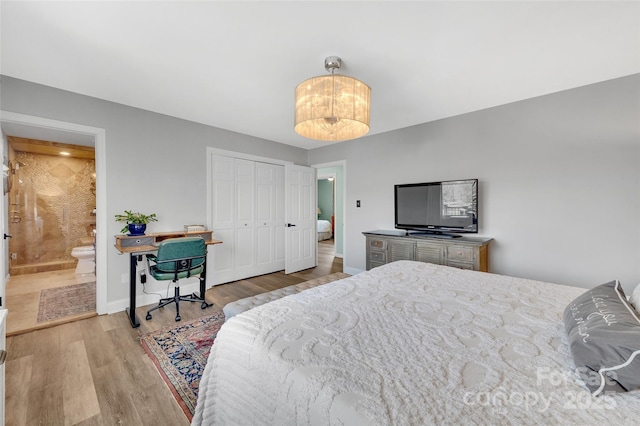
635, 298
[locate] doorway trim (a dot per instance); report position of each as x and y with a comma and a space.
100, 143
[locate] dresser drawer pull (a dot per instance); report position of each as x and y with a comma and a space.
377, 243
378, 256
461, 253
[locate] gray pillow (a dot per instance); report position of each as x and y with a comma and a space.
604, 338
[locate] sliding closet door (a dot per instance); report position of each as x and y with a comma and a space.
245, 226
233, 204
269, 218
221, 270
247, 205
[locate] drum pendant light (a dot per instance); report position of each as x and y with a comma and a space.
332, 107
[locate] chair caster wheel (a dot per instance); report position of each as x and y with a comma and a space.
178, 318
148, 317
204, 305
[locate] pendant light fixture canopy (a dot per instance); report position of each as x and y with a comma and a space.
332, 107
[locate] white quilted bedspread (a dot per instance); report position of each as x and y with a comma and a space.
407, 343
323, 226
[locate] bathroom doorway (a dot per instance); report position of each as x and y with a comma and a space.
40, 128
51, 215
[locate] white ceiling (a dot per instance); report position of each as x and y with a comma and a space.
235, 65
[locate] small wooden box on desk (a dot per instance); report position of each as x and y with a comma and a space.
149, 242
463, 252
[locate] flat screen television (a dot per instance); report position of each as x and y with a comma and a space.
442, 209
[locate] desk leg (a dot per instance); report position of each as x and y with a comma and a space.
131, 310
203, 287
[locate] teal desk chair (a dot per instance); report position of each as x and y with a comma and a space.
179, 258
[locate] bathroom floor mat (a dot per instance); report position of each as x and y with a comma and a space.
66, 301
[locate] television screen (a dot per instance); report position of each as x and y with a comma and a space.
439, 207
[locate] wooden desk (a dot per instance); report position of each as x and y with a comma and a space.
138, 245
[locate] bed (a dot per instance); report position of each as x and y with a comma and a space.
324, 230
407, 343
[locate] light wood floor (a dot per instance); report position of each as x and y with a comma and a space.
95, 372
23, 298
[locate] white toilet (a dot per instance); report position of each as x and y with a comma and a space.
86, 256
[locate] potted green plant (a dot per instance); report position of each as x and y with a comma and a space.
136, 222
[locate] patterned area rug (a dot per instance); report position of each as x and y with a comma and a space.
180, 353
66, 301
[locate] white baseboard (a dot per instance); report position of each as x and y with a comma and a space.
352, 271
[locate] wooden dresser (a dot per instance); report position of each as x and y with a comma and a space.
463, 252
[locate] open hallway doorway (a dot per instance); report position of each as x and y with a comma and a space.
331, 207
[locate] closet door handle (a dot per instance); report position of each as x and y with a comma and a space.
289, 225
3, 356
7, 236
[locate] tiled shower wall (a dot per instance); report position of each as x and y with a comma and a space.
51, 211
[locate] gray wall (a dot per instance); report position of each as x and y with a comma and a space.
155, 163
559, 181
559, 191
325, 199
